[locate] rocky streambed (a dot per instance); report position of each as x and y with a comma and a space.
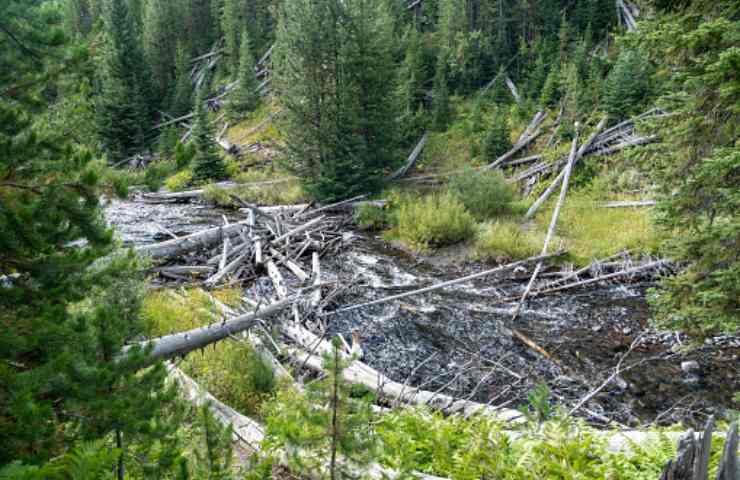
458, 340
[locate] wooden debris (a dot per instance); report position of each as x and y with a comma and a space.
629, 204
411, 160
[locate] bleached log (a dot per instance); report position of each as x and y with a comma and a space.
185, 270
258, 251
244, 428
411, 161
174, 120
538, 119
626, 144
513, 90
553, 223
449, 283
277, 280
629, 204
297, 230
179, 344
198, 193
214, 279
203, 239
581, 151
266, 55
290, 265
316, 273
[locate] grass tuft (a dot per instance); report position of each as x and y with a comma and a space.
507, 240
433, 221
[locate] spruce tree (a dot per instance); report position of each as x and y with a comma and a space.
245, 97
499, 92
334, 68
182, 95
498, 138
231, 26
627, 86
162, 28
207, 163
122, 108
412, 75
551, 90
441, 94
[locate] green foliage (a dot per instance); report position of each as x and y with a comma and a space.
551, 89
87, 461
122, 110
507, 240
498, 139
245, 97
627, 87
698, 165
161, 25
370, 217
182, 96
334, 69
169, 139
207, 162
179, 181
156, 173
184, 155
484, 194
327, 432
214, 453
441, 95
433, 221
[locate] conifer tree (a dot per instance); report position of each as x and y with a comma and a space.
162, 26
412, 75
200, 25
245, 97
231, 26
498, 138
334, 68
627, 86
122, 109
182, 96
499, 92
551, 90
207, 163
441, 94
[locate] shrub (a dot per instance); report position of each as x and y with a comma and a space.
286, 193
184, 154
179, 181
506, 239
156, 172
433, 221
497, 141
484, 194
370, 217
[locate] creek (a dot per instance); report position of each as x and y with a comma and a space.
457, 341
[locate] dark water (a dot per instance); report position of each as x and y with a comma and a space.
458, 339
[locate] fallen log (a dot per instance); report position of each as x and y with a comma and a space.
581, 151
513, 90
198, 193
456, 281
194, 241
551, 229
538, 119
180, 344
629, 204
411, 160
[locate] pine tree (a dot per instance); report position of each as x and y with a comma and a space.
245, 97
441, 94
498, 138
162, 27
412, 76
231, 26
327, 424
67, 312
551, 90
200, 25
182, 96
627, 86
207, 163
334, 68
499, 92
122, 109
214, 452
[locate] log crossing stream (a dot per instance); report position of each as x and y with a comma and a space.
458, 341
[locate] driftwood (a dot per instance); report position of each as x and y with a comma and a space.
553, 223
175, 247
523, 142
629, 204
692, 456
579, 154
513, 90
411, 160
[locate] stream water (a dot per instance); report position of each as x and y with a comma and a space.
457, 339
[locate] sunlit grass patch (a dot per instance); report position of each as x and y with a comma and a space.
283, 193
433, 221
230, 370
179, 181
508, 240
255, 128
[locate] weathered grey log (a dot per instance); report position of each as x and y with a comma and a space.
728, 465
539, 118
185, 270
290, 265
629, 204
411, 161
513, 90
316, 273
456, 281
579, 154
634, 142
551, 228
231, 267
704, 447
189, 243
297, 230
277, 280
179, 344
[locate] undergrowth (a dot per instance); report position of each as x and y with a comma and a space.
230, 370
435, 220
508, 240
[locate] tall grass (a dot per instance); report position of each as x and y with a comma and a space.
484, 194
433, 221
507, 240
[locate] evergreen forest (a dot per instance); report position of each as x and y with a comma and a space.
309, 239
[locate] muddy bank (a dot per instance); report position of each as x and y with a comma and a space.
454, 340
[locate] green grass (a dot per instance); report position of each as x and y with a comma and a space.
507, 240
284, 193
179, 181
485, 194
231, 371
434, 220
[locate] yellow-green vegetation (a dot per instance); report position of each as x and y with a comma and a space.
230, 370
257, 127
484, 194
508, 240
435, 220
179, 181
370, 217
282, 193
590, 232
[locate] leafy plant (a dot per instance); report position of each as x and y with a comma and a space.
484, 194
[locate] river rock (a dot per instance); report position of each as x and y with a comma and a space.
691, 366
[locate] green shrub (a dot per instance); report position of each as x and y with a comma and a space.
506, 239
497, 141
370, 217
184, 154
156, 172
179, 181
484, 194
433, 221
